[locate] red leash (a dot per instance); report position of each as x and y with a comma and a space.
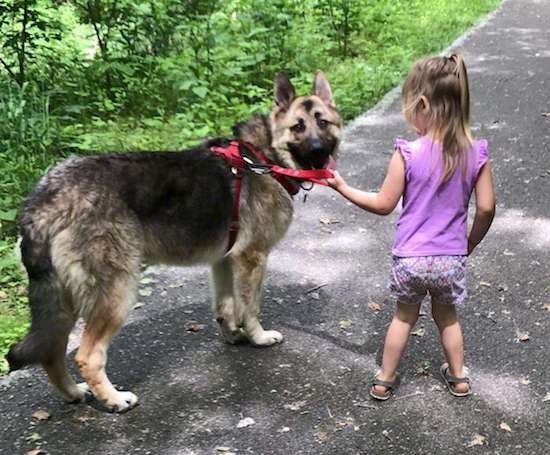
240, 165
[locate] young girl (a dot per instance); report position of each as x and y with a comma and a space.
436, 175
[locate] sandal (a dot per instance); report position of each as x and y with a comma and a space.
389, 385
451, 380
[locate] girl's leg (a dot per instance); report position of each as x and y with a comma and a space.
451, 339
396, 340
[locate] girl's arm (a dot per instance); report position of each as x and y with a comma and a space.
383, 202
485, 207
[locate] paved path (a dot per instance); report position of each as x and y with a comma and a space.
309, 395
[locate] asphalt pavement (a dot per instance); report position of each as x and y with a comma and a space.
326, 292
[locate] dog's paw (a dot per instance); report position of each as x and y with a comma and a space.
121, 402
234, 336
80, 394
266, 338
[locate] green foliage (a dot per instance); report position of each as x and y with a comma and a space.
88, 76
27, 134
14, 315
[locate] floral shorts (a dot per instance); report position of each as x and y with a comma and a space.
443, 277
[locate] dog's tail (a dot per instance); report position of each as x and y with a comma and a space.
50, 323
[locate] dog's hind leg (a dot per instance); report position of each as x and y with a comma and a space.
52, 321
104, 321
56, 365
249, 269
51, 342
224, 303
56, 368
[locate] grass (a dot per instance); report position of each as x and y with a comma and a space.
14, 314
385, 51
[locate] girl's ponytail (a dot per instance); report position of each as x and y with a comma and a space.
455, 126
462, 75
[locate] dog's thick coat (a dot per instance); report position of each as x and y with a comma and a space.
91, 221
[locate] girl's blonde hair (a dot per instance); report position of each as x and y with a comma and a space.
444, 82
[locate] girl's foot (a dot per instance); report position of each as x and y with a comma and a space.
382, 389
458, 386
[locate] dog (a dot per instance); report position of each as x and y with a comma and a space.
91, 221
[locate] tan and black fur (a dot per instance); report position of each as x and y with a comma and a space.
91, 221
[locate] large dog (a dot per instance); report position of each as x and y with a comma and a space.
91, 221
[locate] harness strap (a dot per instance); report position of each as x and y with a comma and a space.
234, 225
232, 155
287, 184
313, 175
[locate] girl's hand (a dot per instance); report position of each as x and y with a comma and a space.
337, 182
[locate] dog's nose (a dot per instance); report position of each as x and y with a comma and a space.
316, 146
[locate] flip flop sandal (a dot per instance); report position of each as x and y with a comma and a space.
450, 380
389, 385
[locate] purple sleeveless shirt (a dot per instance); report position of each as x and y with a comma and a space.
433, 221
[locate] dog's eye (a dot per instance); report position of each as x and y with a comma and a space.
322, 123
300, 127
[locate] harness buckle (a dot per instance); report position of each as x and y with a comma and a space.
257, 168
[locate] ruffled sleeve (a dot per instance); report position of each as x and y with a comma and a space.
402, 146
482, 154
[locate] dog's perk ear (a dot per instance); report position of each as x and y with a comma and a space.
284, 91
321, 88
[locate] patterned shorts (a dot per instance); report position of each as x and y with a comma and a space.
443, 277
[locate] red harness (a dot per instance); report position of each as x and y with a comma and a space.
240, 165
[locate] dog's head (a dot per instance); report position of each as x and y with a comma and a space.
305, 129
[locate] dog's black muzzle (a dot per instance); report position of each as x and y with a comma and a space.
313, 154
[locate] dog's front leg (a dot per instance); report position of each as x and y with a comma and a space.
249, 271
224, 302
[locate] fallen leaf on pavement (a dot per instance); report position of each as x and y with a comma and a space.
419, 332
37, 452
322, 436
386, 434
374, 306
521, 336
545, 114
194, 327
345, 324
504, 426
138, 305
41, 415
547, 397
296, 406
508, 253
34, 437
283, 430
145, 292
328, 221
83, 418
546, 307
485, 284
525, 381
223, 449
147, 280
478, 440
423, 367
246, 422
